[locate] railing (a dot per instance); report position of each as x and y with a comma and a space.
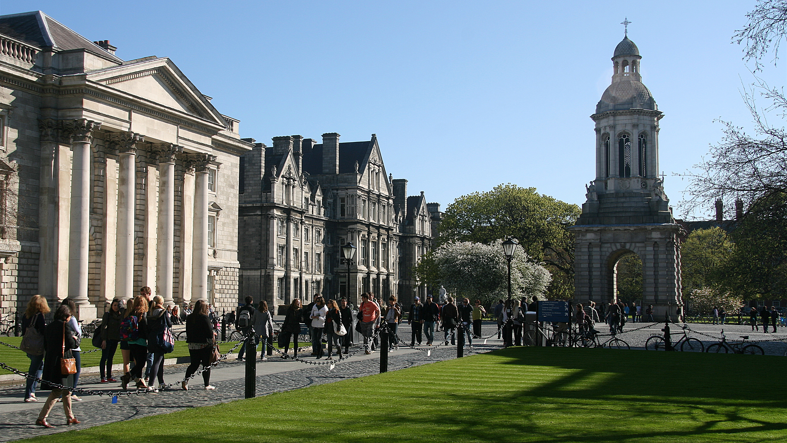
17, 49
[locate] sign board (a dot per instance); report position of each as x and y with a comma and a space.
553, 311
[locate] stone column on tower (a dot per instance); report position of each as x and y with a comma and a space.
126, 145
200, 257
81, 131
166, 225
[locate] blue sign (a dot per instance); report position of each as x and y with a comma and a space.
553, 311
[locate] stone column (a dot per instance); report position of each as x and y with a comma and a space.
187, 234
200, 255
166, 221
126, 144
78, 256
47, 220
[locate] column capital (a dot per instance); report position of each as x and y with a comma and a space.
125, 142
202, 161
81, 130
167, 152
48, 129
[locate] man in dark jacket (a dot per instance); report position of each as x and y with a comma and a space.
466, 317
347, 320
430, 314
414, 320
244, 322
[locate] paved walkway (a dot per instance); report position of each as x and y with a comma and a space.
274, 375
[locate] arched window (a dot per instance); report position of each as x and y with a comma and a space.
606, 155
617, 67
625, 67
643, 143
624, 156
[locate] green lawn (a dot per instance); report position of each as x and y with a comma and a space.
18, 359
518, 394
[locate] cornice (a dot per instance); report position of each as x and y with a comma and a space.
646, 112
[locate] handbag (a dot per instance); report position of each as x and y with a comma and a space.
33, 341
166, 341
215, 354
68, 366
339, 328
284, 338
97, 340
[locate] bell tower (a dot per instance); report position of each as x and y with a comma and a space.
626, 210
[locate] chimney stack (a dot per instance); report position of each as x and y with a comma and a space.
297, 151
738, 209
719, 211
104, 44
330, 153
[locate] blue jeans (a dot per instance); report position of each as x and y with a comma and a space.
429, 331
468, 332
78, 361
36, 369
317, 341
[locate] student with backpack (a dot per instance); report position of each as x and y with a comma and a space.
244, 323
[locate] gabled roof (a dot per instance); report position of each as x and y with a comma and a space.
349, 154
415, 202
38, 29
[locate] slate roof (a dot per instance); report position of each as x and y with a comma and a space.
349, 153
413, 203
38, 29
626, 94
626, 47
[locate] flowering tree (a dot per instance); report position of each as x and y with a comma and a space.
480, 271
702, 301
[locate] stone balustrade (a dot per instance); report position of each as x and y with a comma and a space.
17, 49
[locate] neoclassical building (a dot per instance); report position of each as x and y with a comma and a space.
627, 210
301, 200
115, 174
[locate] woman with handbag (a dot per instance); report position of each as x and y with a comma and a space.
59, 338
37, 307
333, 322
158, 320
263, 328
200, 337
77, 351
318, 325
110, 337
138, 341
292, 327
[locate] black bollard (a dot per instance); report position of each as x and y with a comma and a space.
460, 340
383, 349
223, 326
251, 365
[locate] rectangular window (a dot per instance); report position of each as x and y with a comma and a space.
342, 207
363, 209
280, 289
364, 255
280, 256
280, 227
296, 258
318, 262
211, 231
383, 218
212, 180
374, 254
384, 253
373, 215
296, 230
306, 261
317, 236
306, 235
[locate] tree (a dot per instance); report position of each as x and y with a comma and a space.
629, 278
702, 301
480, 271
704, 257
538, 221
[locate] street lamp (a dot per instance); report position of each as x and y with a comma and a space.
348, 253
508, 249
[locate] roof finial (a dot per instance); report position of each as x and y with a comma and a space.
626, 24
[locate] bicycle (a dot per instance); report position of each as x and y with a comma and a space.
686, 343
7, 325
589, 339
738, 348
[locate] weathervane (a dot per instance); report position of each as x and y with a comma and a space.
626, 24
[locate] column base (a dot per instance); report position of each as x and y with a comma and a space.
87, 312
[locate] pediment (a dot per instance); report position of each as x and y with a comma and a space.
159, 81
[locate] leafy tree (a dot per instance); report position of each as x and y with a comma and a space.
629, 278
704, 256
538, 221
702, 301
480, 271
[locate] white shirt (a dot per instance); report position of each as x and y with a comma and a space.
320, 313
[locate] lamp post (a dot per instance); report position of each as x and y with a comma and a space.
508, 249
348, 253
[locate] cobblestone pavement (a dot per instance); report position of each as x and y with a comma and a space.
277, 375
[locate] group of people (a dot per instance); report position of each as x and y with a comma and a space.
425, 318
767, 315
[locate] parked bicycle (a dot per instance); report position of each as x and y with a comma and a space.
685, 343
738, 348
7, 325
590, 339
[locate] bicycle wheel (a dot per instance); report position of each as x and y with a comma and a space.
753, 350
616, 343
692, 345
587, 342
717, 348
655, 343
181, 336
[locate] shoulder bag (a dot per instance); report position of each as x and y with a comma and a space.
338, 327
68, 366
33, 341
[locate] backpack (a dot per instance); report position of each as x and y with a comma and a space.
244, 319
33, 341
97, 340
129, 328
165, 340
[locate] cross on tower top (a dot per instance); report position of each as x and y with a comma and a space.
626, 24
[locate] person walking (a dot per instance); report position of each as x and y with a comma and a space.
766, 317
392, 315
76, 352
59, 338
333, 317
613, 317
753, 319
478, 318
465, 319
715, 316
200, 338
158, 321
649, 313
319, 310
430, 314
292, 327
414, 320
263, 329
722, 315
370, 313
347, 321
774, 317
110, 337
37, 308
499, 316
518, 317
137, 321
244, 323
450, 317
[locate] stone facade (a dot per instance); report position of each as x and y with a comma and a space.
300, 201
627, 210
118, 174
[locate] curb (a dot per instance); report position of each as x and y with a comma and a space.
90, 370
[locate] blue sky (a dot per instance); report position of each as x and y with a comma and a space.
462, 95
